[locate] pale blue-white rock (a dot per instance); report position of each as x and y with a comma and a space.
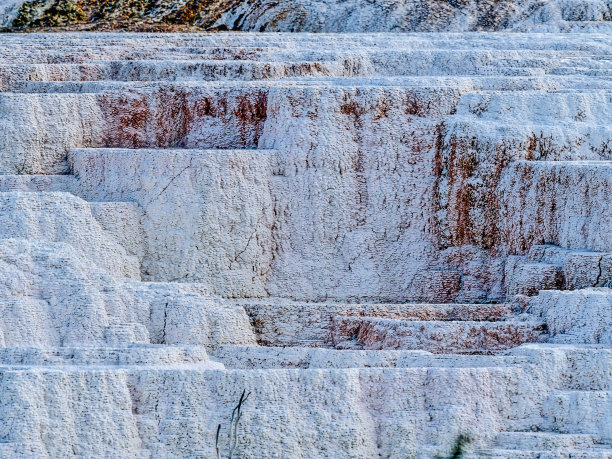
389, 240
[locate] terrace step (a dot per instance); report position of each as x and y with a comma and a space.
524, 89
20, 76
575, 316
134, 354
258, 357
61, 298
415, 62
530, 278
62, 217
38, 183
549, 267
124, 334
544, 441
121, 220
434, 336
581, 268
437, 312
578, 366
601, 453
279, 322
185, 48
586, 412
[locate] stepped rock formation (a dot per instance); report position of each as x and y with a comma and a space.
387, 240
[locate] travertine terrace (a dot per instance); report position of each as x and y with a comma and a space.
388, 240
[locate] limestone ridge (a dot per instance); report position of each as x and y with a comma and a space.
310, 15
389, 240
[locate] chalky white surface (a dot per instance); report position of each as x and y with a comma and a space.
229, 190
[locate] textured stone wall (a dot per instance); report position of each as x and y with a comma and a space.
222, 200
374, 235
401, 186
358, 412
584, 316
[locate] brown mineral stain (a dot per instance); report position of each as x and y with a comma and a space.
352, 108
251, 113
127, 116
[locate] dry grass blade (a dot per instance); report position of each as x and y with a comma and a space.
233, 427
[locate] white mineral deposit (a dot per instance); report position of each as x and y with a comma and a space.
391, 242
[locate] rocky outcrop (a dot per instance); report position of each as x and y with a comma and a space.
312, 15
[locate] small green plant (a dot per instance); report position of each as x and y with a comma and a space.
458, 450
233, 428
39, 13
65, 12
27, 12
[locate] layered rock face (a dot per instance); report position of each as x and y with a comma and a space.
387, 240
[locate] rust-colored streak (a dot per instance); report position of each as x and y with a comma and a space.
209, 107
171, 118
352, 108
127, 116
251, 112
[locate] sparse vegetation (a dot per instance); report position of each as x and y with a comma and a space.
26, 13
458, 450
233, 429
58, 13
128, 15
